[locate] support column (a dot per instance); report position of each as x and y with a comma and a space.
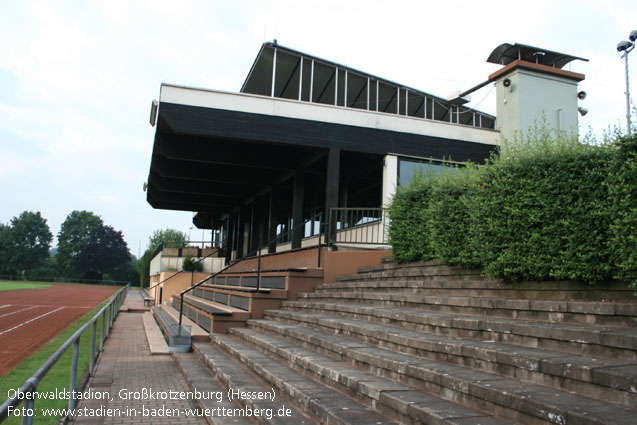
255, 226
264, 223
274, 218
297, 209
241, 221
229, 246
331, 189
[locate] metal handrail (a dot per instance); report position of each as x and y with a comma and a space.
343, 220
182, 271
258, 255
30, 386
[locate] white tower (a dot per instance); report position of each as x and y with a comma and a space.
532, 86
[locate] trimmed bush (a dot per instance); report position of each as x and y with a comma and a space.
622, 186
408, 233
549, 209
450, 223
191, 265
546, 217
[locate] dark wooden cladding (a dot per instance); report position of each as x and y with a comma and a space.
186, 120
260, 172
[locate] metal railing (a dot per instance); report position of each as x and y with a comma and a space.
255, 254
29, 387
360, 226
183, 271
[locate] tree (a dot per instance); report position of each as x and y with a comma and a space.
30, 241
89, 249
170, 237
75, 234
106, 252
6, 242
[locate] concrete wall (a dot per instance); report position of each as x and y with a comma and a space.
175, 284
533, 96
209, 265
162, 262
336, 263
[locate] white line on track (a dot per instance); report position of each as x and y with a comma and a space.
18, 311
6, 305
29, 321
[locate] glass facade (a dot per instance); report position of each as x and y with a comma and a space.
407, 168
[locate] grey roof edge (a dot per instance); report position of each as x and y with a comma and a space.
504, 50
269, 44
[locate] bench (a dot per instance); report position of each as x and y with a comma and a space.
148, 300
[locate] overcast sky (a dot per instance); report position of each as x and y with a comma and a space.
77, 77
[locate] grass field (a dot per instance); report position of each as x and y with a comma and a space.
14, 285
59, 376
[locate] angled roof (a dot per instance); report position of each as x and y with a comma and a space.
506, 53
304, 77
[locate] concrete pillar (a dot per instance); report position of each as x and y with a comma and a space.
331, 188
297, 209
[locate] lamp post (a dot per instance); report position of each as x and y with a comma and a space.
624, 48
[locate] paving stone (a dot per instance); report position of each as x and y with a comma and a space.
127, 365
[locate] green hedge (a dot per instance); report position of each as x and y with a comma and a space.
562, 211
450, 224
622, 185
546, 217
408, 233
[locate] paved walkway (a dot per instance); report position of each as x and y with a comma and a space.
134, 301
127, 370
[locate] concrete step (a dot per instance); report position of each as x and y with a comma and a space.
238, 379
429, 273
201, 381
589, 340
320, 402
177, 337
607, 380
399, 401
156, 342
516, 400
470, 285
209, 307
590, 312
211, 316
411, 269
197, 333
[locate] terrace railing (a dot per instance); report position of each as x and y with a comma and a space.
359, 226
30, 386
195, 264
257, 254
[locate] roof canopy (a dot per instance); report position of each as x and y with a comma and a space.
506, 53
282, 72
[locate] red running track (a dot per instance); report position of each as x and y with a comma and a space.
30, 318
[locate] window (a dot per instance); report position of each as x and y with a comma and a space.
407, 168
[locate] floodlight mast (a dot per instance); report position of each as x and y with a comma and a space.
624, 48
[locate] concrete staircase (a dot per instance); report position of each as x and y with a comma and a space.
428, 344
231, 299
